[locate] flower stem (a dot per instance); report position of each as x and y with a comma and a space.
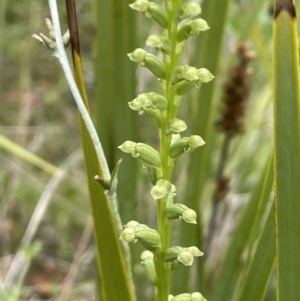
171, 62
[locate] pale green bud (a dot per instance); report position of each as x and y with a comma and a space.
138, 55
189, 9
189, 297
182, 212
185, 86
131, 224
159, 42
159, 192
184, 72
148, 154
128, 147
179, 147
158, 14
176, 126
204, 75
185, 257
153, 115
198, 25
191, 28
148, 237
155, 65
172, 253
128, 235
170, 297
161, 189
195, 141
197, 297
182, 297
140, 5
158, 101
189, 216
148, 262
195, 251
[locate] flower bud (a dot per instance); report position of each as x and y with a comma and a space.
179, 147
161, 189
153, 115
184, 72
158, 101
189, 297
155, 65
182, 212
148, 154
195, 251
185, 257
148, 237
189, 216
185, 86
189, 9
138, 55
204, 76
197, 297
128, 147
140, 5
195, 141
148, 262
176, 126
159, 42
172, 253
128, 235
131, 224
170, 297
158, 14
191, 28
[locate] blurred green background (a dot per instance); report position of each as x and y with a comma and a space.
37, 113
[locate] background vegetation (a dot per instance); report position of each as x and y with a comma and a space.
44, 208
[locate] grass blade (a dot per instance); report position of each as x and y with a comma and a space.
227, 277
116, 283
287, 149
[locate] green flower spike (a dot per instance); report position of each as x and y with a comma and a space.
148, 262
189, 9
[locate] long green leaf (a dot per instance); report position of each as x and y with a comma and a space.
257, 277
287, 149
115, 276
254, 281
229, 271
115, 87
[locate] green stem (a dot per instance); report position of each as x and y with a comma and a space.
164, 229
